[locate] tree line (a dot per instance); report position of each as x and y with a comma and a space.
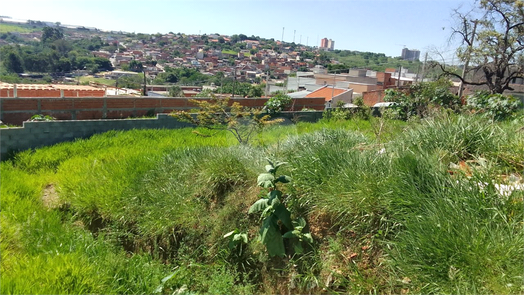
54, 54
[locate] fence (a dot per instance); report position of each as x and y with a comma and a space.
39, 134
15, 111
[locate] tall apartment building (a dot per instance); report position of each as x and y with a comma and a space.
331, 45
326, 44
410, 54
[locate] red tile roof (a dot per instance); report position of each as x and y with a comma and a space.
4, 85
327, 92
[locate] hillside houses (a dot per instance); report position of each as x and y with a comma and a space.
252, 60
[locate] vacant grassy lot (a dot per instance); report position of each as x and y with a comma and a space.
404, 208
87, 79
6, 28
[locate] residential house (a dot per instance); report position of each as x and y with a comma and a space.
333, 95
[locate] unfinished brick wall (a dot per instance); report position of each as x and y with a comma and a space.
17, 110
51, 92
370, 98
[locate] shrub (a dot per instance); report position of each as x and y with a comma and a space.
496, 106
277, 103
415, 100
216, 114
40, 117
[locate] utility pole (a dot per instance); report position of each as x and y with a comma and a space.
144, 91
282, 40
424, 68
418, 71
398, 81
300, 42
234, 82
267, 83
294, 32
333, 89
467, 60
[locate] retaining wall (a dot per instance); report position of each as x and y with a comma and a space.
45, 133
15, 111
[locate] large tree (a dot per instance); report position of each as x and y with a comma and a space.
13, 63
492, 39
50, 35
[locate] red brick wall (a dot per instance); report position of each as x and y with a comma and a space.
16, 110
51, 93
372, 97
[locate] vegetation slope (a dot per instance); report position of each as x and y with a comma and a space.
392, 207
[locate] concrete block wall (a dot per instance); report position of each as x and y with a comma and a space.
38, 134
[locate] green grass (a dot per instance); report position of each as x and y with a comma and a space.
6, 28
121, 211
87, 79
229, 52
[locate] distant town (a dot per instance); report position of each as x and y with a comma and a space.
176, 64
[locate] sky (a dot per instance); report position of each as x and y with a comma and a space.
380, 26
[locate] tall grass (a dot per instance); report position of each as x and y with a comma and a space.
121, 211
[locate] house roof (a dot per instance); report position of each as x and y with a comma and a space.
299, 94
4, 85
327, 92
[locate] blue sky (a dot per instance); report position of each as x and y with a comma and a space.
382, 26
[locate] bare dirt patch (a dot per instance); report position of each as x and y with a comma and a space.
50, 198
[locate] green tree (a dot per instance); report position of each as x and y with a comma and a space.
256, 91
92, 68
13, 63
64, 64
131, 81
50, 35
234, 39
136, 66
493, 41
176, 91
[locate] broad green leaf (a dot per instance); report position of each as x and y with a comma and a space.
241, 237
308, 237
283, 215
274, 194
266, 180
274, 201
271, 237
283, 179
289, 235
268, 210
270, 169
258, 206
299, 222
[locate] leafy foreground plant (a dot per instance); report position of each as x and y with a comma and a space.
216, 114
277, 223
